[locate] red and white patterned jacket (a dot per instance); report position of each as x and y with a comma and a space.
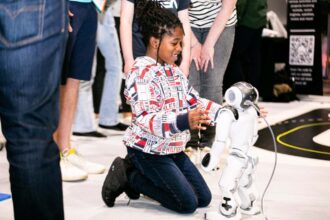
159, 95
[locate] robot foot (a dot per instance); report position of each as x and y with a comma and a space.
218, 216
250, 211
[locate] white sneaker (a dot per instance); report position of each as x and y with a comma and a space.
91, 168
70, 172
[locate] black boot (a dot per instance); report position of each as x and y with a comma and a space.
115, 182
131, 193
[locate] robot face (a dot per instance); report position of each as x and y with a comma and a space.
241, 95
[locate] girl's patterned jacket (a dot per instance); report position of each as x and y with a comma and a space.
160, 98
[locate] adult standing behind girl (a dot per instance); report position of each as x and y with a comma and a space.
213, 30
131, 37
164, 108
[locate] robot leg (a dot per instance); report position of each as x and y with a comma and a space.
229, 180
246, 188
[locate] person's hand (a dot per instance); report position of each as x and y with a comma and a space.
197, 118
263, 111
128, 65
195, 53
206, 57
69, 25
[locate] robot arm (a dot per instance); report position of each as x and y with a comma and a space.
255, 131
226, 117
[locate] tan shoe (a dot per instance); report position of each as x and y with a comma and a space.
77, 160
71, 173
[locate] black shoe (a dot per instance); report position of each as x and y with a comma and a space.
2, 145
117, 127
115, 182
94, 134
131, 193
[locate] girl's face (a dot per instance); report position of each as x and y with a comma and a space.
170, 46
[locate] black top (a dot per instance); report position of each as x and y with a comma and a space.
139, 48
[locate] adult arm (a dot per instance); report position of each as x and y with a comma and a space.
126, 34
218, 26
184, 18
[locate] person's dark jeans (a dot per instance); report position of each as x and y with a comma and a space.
194, 139
171, 180
207, 137
202, 138
32, 42
245, 60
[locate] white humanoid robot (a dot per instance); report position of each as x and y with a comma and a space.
236, 123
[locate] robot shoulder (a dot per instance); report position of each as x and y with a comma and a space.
254, 109
230, 109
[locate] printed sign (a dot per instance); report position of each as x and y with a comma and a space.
305, 46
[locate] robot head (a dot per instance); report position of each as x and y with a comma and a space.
241, 95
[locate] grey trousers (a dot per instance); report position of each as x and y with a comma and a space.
209, 84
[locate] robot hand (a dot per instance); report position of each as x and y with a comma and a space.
212, 159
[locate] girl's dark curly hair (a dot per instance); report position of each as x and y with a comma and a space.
154, 20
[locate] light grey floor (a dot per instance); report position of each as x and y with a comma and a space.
300, 188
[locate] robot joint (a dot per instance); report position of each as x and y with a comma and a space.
226, 205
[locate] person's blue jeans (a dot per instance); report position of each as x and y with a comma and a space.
171, 180
32, 43
108, 43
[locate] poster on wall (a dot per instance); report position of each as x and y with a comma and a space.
305, 46
325, 38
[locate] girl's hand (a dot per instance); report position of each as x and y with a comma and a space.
206, 57
198, 117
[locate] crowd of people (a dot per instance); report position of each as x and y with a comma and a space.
159, 46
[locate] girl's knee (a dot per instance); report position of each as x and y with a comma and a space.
188, 207
205, 199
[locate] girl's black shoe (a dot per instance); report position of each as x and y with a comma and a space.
115, 182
